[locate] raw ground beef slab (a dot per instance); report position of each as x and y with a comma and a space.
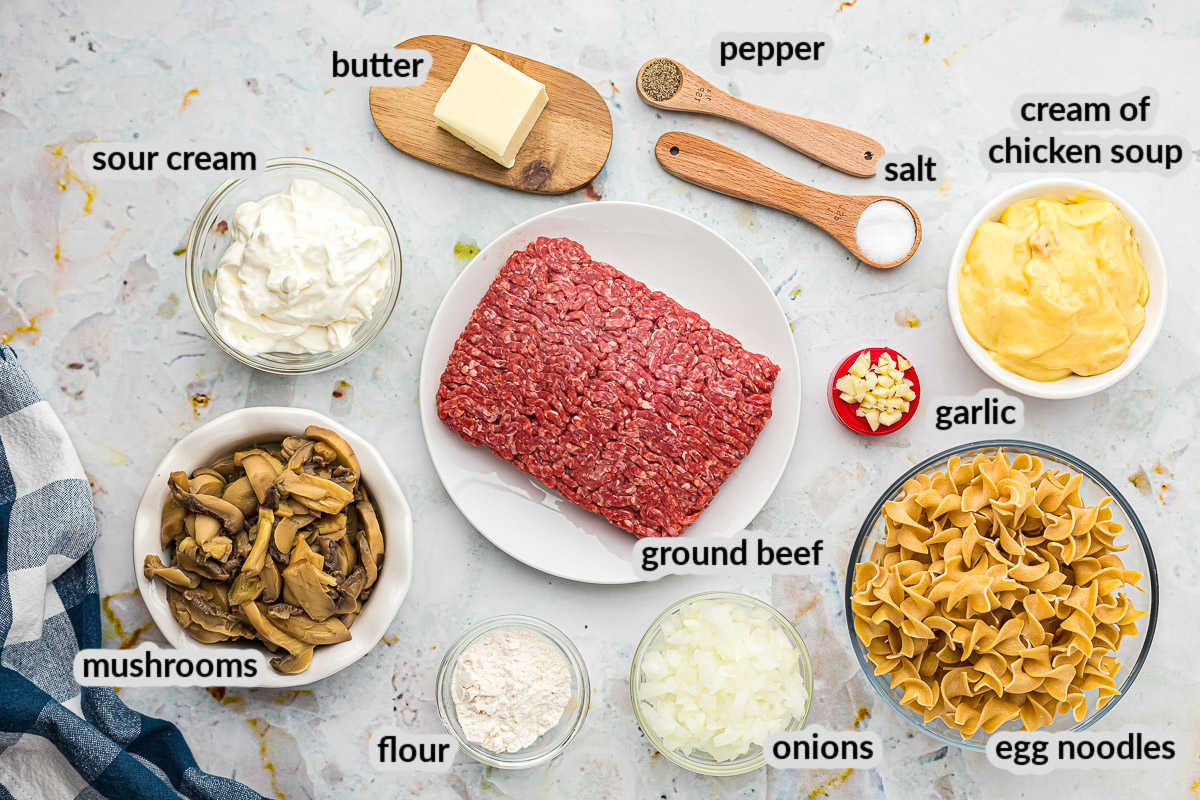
617, 397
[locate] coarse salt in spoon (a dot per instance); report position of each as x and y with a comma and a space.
872, 227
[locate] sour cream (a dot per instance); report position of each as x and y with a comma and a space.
305, 269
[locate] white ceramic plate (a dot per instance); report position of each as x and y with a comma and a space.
1074, 385
231, 431
670, 253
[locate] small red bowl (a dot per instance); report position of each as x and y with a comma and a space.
845, 412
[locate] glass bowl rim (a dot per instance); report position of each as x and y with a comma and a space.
575, 663
1020, 445
737, 767
383, 310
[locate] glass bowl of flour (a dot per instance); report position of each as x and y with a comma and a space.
293, 269
514, 691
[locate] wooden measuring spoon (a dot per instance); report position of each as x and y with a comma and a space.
714, 166
841, 148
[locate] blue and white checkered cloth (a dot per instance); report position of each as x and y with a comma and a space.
56, 740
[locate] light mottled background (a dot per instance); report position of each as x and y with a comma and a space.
92, 295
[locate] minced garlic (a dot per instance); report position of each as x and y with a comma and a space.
879, 389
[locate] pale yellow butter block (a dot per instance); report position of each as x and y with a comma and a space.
490, 106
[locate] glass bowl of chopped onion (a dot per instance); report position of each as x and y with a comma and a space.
1100, 686
704, 666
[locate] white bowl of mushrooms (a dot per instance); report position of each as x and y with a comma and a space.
278, 528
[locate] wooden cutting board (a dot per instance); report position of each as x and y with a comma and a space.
566, 148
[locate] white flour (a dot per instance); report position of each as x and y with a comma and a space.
509, 688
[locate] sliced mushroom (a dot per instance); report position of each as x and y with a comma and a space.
207, 536
345, 478
286, 529
324, 454
333, 527
241, 543
300, 456
211, 618
368, 560
261, 474
178, 609
172, 521
241, 494
205, 637
226, 468
206, 485
342, 450
370, 523
207, 481
370, 539
317, 493
216, 592
349, 557
349, 588
191, 558
305, 585
283, 610
246, 586
304, 550
330, 631
291, 444
335, 562
262, 537
229, 515
290, 508
267, 630
153, 567
178, 480
294, 663
272, 582
275, 455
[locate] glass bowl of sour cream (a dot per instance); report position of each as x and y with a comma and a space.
293, 269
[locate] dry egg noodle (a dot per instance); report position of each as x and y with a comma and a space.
1054, 289
995, 595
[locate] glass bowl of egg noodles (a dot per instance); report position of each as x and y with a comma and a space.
1001, 585
294, 268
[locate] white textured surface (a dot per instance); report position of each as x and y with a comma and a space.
120, 352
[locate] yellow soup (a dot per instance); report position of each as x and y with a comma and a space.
1055, 288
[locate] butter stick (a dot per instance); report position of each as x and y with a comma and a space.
490, 106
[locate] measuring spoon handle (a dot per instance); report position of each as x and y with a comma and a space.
841, 148
713, 166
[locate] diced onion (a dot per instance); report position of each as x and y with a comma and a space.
720, 679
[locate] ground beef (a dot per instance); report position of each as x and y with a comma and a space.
616, 396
